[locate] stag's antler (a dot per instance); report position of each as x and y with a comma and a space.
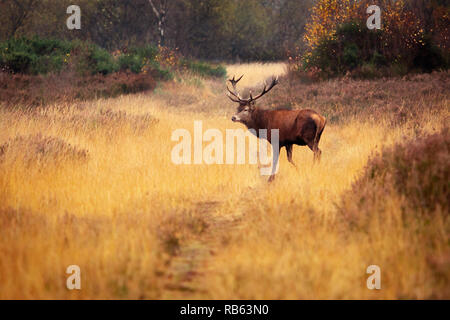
237, 98
265, 90
234, 93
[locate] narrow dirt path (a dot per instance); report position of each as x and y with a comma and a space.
192, 262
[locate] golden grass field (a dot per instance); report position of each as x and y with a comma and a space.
92, 184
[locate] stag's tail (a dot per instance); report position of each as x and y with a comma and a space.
319, 130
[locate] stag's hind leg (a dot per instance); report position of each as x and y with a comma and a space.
315, 144
317, 152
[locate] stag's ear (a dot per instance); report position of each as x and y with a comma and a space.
252, 105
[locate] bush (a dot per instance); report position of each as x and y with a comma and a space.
366, 71
17, 62
350, 56
340, 45
322, 58
136, 58
34, 56
143, 59
419, 170
378, 59
204, 69
352, 46
416, 171
158, 72
130, 62
148, 52
429, 56
91, 59
42, 56
37, 90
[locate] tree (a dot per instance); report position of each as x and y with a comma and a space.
15, 13
161, 14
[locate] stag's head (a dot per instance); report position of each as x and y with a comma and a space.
246, 106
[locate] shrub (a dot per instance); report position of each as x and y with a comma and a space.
34, 55
157, 71
148, 52
398, 68
417, 171
204, 69
92, 59
323, 57
130, 62
37, 90
429, 56
17, 62
378, 59
339, 41
41, 56
351, 46
144, 59
366, 71
137, 57
350, 56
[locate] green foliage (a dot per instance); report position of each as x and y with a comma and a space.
378, 59
34, 55
159, 72
43, 56
102, 61
91, 59
350, 55
204, 69
136, 58
429, 57
148, 52
16, 61
323, 57
352, 48
134, 63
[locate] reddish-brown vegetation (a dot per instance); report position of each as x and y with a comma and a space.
417, 171
30, 90
40, 150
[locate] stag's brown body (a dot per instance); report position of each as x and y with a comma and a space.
300, 127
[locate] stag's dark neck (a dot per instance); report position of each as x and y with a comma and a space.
259, 120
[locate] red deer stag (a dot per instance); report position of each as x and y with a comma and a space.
300, 127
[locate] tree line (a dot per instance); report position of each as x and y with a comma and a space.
206, 29
325, 35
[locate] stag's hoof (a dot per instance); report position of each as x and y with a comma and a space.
272, 177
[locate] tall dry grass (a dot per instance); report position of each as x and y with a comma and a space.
255, 73
93, 184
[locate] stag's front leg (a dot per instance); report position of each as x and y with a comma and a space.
276, 155
289, 155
